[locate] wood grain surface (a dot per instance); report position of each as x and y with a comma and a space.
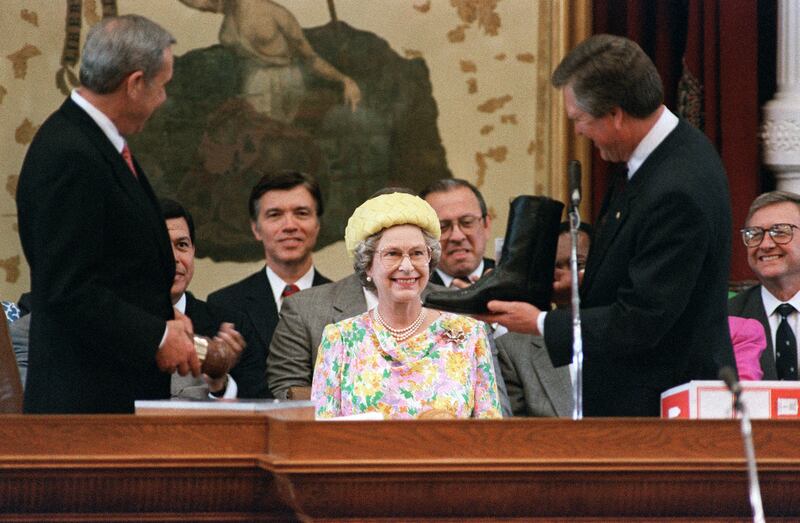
280, 467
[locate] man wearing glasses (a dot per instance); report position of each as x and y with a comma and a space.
465, 226
774, 255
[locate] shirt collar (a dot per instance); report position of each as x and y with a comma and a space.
371, 297
277, 284
771, 302
447, 280
665, 124
102, 121
181, 304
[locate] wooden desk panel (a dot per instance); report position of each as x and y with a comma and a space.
278, 468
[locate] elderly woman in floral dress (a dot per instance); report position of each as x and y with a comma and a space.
401, 359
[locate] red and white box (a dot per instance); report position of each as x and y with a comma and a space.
713, 400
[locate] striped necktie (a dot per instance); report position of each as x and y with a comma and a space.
126, 154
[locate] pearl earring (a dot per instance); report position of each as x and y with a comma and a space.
369, 278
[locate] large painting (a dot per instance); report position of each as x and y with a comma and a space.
362, 94
333, 101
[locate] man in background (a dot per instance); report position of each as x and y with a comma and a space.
285, 209
773, 254
246, 368
562, 277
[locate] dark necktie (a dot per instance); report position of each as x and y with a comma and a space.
785, 346
289, 290
126, 155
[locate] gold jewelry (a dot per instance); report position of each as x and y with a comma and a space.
405, 333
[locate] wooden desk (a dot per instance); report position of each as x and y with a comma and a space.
284, 467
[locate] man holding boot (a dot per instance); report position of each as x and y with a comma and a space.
654, 292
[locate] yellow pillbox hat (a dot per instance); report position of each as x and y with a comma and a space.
385, 211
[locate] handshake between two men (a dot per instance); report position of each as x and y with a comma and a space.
185, 353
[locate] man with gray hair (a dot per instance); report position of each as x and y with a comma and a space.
773, 254
654, 309
100, 258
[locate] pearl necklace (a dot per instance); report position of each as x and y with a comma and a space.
401, 334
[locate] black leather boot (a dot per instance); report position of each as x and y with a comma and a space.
525, 269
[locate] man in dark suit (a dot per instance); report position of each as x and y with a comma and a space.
92, 232
285, 209
245, 377
654, 311
466, 225
773, 254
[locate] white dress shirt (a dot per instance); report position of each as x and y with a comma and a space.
447, 279
277, 284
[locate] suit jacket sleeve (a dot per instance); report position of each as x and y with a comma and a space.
514, 386
288, 362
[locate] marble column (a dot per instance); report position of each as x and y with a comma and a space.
780, 132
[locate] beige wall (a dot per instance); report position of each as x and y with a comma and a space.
499, 120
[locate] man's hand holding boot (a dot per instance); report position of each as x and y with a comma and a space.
516, 316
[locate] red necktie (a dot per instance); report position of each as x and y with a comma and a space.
126, 154
289, 290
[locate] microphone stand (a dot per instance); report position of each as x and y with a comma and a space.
577, 338
750, 454
729, 377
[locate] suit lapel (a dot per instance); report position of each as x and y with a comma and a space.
755, 309
349, 301
261, 306
138, 190
616, 216
617, 213
435, 278
319, 279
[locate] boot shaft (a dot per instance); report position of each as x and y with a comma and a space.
531, 239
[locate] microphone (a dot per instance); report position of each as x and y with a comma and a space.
574, 182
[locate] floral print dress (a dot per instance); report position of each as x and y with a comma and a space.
447, 368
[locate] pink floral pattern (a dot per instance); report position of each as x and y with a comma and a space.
448, 368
